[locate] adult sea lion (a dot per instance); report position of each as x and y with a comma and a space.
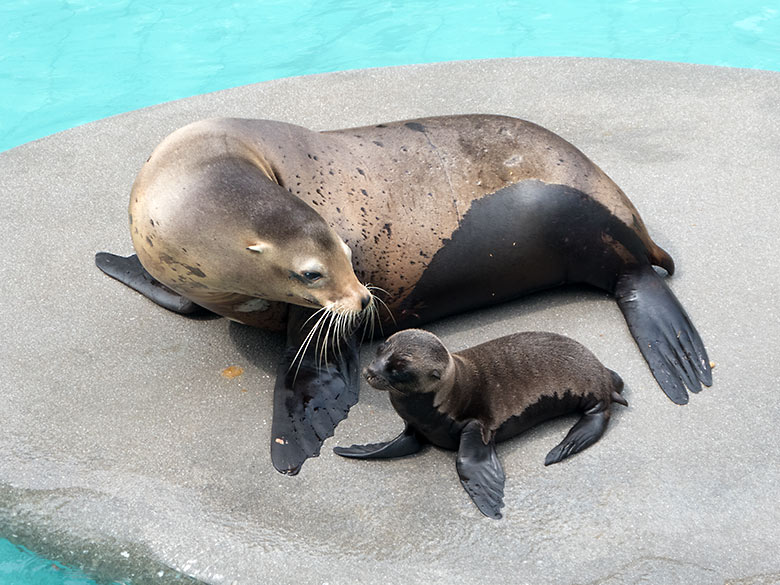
472, 399
256, 220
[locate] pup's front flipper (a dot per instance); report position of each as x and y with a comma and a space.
407, 443
313, 393
582, 435
480, 471
129, 271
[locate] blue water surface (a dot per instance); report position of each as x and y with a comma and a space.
19, 566
66, 62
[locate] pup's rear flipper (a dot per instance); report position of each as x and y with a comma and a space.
582, 435
664, 333
128, 270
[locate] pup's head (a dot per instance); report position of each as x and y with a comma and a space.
410, 361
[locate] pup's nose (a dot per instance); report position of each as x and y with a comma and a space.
368, 372
365, 301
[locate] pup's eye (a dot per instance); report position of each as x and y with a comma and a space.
311, 275
398, 365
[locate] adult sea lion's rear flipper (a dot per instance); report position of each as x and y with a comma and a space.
480, 471
313, 393
128, 270
664, 333
407, 443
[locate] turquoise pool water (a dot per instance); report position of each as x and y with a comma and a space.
19, 566
66, 62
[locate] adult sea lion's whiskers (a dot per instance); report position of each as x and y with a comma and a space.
323, 349
371, 317
309, 336
340, 332
372, 287
308, 339
333, 323
323, 327
314, 314
345, 325
374, 308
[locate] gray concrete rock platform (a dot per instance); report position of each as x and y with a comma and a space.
123, 449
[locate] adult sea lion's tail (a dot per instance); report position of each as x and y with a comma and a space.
664, 332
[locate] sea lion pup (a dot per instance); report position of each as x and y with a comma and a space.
472, 399
265, 223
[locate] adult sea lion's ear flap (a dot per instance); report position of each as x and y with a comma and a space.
259, 247
436, 374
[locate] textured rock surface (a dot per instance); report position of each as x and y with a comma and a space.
123, 449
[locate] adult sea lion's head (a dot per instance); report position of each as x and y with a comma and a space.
255, 240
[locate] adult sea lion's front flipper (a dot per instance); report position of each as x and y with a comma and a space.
664, 333
407, 443
313, 393
129, 271
480, 471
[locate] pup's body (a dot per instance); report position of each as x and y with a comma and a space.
470, 400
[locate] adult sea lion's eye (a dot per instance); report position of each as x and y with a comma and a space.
311, 275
